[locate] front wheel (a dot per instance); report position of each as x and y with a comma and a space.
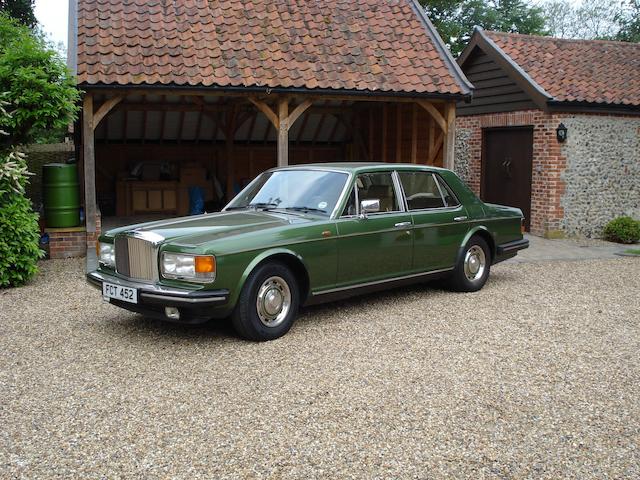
268, 303
472, 270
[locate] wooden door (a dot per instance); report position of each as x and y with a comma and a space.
506, 168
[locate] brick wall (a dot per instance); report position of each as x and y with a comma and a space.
72, 241
577, 186
548, 162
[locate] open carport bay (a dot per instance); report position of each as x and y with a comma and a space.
536, 376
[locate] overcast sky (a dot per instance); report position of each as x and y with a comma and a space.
53, 16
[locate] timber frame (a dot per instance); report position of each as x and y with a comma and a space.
283, 111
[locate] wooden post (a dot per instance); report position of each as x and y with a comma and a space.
283, 122
89, 164
449, 142
283, 132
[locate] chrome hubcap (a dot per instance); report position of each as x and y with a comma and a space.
273, 301
474, 263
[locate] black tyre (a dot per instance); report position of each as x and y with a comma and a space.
474, 265
268, 303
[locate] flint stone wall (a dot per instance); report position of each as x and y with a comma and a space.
602, 175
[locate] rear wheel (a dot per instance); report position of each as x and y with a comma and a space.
472, 270
268, 304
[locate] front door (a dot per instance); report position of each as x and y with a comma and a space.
378, 246
506, 168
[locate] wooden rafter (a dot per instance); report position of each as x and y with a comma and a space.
436, 149
299, 110
435, 114
266, 110
104, 109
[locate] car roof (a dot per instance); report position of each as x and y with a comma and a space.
357, 167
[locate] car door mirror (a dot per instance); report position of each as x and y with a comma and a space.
371, 205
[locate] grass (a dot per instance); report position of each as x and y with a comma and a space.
633, 251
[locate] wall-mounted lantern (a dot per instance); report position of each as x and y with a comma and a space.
561, 133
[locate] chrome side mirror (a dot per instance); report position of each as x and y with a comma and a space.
369, 206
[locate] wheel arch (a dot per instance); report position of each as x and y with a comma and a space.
287, 257
484, 233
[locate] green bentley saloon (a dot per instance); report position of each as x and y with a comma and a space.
307, 234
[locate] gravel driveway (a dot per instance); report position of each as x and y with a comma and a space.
537, 375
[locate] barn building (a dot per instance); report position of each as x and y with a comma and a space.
209, 93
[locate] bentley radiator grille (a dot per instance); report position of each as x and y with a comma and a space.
136, 258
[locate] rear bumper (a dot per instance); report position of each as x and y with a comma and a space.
196, 306
512, 247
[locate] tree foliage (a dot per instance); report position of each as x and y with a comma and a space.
593, 20
41, 93
456, 19
21, 10
629, 19
37, 93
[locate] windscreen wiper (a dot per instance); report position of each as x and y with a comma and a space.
306, 209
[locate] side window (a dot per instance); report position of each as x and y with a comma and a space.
378, 186
449, 197
421, 190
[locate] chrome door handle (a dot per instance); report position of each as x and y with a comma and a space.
460, 219
403, 224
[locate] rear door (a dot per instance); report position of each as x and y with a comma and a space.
440, 222
379, 245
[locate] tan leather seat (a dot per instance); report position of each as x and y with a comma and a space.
384, 193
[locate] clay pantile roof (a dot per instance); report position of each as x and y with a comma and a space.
593, 71
353, 45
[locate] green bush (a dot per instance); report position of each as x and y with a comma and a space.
19, 235
622, 230
36, 94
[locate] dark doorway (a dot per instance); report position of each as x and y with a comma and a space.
506, 168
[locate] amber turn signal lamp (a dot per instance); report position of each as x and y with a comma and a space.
205, 264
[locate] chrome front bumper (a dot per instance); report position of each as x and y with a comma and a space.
161, 295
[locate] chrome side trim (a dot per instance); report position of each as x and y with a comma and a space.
379, 282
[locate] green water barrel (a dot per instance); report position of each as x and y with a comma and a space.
61, 194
